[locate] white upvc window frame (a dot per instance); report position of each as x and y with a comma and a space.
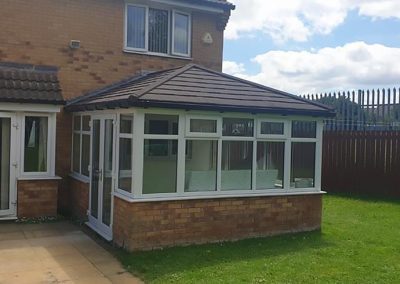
217, 119
285, 134
51, 142
174, 12
81, 132
124, 136
318, 153
146, 32
170, 44
183, 119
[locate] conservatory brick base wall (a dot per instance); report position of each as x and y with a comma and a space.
151, 225
37, 198
79, 198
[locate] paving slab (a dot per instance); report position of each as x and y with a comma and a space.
55, 253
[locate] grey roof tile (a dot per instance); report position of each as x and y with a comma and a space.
195, 87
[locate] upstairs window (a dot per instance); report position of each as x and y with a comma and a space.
157, 31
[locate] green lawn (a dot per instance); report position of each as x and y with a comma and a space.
359, 243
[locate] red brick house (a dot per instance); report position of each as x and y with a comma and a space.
117, 112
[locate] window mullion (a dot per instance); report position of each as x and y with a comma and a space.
219, 164
288, 161
80, 145
180, 184
254, 167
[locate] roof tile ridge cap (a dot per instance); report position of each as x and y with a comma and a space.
264, 87
98, 92
159, 82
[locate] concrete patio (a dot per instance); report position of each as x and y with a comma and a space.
55, 253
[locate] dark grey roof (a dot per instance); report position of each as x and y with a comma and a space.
25, 83
195, 87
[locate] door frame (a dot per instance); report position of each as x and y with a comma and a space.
96, 223
11, 213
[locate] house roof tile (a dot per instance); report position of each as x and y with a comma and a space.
29, 83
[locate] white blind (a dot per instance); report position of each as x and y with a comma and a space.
158, 31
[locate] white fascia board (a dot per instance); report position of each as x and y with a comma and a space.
29, 107
189, 6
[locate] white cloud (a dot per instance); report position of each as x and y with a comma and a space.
233, 68
298, 20
354, 65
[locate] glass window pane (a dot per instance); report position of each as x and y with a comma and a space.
35, 152
125, 164
203, 125
126, 124
94, 191
159, 173
85, 154
238, 127
272, 128
181, 33
158, 30
76, 153
237, 163
201, 166
270, 161
136, 27
77, 122
86, 123
303, 165
161, 124
304, 129
5, 144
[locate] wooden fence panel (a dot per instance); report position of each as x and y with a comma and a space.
362, 162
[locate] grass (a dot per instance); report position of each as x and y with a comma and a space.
359, 243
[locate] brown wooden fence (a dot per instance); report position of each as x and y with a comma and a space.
362, 162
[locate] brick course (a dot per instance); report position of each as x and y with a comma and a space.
40, 33
154, 225
75, 199
37, 198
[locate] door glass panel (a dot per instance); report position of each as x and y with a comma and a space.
107, 168
94, 197
5, 130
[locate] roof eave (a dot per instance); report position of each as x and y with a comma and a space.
33, 101
203, 107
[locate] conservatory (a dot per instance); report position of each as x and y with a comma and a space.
190, 155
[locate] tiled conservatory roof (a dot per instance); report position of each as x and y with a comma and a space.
195, 87
23, 83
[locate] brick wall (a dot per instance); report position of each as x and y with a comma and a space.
37, 198
40, 33
161, 224
74, 199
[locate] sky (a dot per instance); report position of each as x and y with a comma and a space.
315, 46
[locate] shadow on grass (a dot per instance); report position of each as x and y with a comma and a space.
152, 265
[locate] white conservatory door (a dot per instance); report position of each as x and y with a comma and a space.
102, 175
8, 194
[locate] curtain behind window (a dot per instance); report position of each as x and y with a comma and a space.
35, 153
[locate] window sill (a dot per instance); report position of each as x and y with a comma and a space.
126, 50
80, 178
219, 196
39, 178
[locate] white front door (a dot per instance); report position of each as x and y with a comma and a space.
102, 175
8, 194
